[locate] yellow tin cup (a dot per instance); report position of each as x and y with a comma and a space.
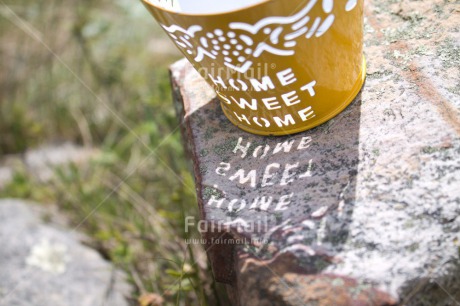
279, 67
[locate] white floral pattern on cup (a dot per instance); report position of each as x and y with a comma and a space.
237, 45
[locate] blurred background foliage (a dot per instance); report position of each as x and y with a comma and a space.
95, 73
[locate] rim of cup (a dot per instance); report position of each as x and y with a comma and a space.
225, 12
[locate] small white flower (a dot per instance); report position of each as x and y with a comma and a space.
49, 257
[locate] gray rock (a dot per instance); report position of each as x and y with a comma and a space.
371, 216
45, 265
6, 175
41, 162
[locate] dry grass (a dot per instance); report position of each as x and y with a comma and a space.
106, 86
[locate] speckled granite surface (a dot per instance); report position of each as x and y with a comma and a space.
363, 210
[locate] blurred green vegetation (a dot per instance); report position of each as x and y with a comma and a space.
95, 73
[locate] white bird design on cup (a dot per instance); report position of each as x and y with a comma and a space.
237, 45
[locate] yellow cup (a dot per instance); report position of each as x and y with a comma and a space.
279, 67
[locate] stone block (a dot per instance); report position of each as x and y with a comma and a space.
362, 210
